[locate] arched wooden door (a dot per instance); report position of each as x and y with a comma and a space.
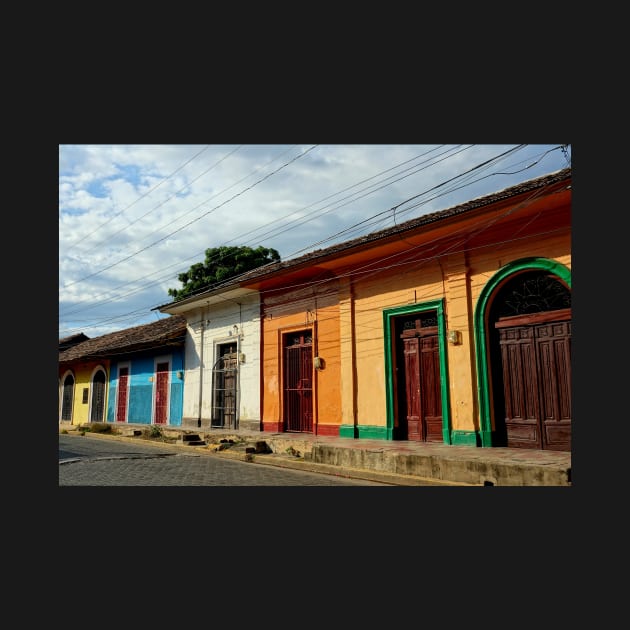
67, 398
532, 356
97, 404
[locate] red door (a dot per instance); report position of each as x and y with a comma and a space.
298, 383
423, 404
123, 389
412, 389
161, 394
430, 386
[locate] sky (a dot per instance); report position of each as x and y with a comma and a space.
133, 217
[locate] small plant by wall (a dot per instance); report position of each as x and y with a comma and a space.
154, 432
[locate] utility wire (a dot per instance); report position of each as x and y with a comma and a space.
301, 220
191, 222
372, 218
126, 227
139, 198
219, 193
483, 165
370, 269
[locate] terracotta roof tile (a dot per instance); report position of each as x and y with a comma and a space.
72, 340
167, 331
411, 224
518, 189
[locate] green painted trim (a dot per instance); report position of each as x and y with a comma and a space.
464, 438
485, 437
388, 316
481, 342
370, 432
347, 431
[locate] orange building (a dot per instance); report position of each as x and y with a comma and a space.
453, 327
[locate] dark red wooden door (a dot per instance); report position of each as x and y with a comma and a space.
422, 385
298, 383
553, 343
123, 390
412, 389
161, 394
536, 363
430, 387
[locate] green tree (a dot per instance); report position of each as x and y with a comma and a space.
221, 264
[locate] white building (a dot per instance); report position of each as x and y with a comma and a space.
222, 359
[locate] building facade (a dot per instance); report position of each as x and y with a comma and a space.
454, 327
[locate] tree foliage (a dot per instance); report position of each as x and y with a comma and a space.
221, 264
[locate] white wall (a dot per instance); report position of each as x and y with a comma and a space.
218, 327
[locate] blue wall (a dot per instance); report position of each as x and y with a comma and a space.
141, 368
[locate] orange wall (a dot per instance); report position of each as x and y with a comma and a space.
283, 312
346, 311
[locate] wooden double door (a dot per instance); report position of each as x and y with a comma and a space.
536, 373
419, 385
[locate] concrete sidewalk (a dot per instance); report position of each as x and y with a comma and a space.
406, 463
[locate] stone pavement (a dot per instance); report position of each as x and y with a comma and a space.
399, 462
150, 464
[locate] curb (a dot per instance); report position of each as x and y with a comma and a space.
297, 463
292, 462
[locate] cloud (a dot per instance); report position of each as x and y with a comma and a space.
133, 217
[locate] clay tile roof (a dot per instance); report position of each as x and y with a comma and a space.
167, 331
425, 219
72, 340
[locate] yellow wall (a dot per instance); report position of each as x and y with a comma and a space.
346, 316
400, 286
458, 279
82, 376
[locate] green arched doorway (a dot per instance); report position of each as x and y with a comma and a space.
523, 350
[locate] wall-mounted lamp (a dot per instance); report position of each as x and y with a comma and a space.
319, 363
454, 337
180, 374
241, 358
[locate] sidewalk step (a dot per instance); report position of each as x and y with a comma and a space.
192, 439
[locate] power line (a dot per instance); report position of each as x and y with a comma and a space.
301, 219
370, 269
191, 222
354, 227
139, 198
110, 236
